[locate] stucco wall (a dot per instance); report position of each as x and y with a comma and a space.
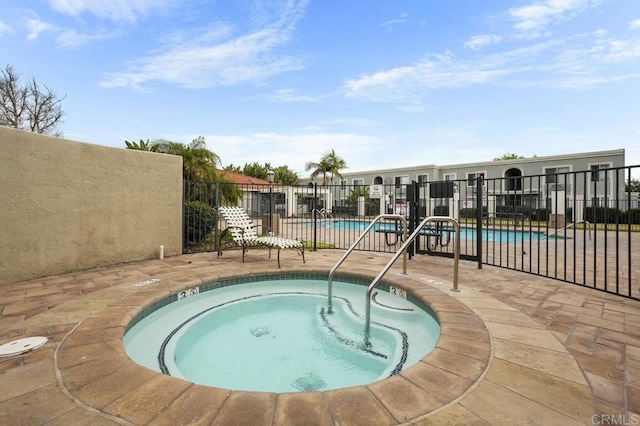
67, 206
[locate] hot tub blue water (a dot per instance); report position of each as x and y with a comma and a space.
277, 336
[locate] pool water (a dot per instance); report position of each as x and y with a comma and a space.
488, 234
277, 336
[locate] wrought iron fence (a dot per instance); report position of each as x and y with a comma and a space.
579, 227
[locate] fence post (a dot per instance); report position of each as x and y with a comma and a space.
413, 193
215, 233
313, 215
479, 182
185, 243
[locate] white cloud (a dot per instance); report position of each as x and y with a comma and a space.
409, 83
293, 150
479, 41
635, 24
4, 28
534, 18
577, 62
36, 27
206, 62
391, 24
115, 10
289, 95
71, 38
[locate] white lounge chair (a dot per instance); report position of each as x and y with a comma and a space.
244, 234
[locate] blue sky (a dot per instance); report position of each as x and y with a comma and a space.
384, 83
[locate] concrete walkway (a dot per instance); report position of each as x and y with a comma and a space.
514, 349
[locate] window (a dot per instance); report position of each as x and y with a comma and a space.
597, 172
556, 174
449, 176
401, 181
472, 177
358, 182
343, 184
423, 178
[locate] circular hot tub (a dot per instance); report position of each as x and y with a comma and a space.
274, 333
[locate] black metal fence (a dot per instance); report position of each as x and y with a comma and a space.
579, 227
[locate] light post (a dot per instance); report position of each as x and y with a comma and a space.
270, 175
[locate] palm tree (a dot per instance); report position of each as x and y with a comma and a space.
335, 164
198, 163
199, 168
141, 146
329, 163
318, 168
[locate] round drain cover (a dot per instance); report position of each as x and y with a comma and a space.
21, 346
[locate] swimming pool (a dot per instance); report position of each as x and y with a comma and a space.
506, 234
274, 334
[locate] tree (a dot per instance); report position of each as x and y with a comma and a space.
282, 174
335, 164
633, 185
31, 107
329, 163
198, 163
508, 156
141, 146
285, 176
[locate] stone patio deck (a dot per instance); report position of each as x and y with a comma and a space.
514, 349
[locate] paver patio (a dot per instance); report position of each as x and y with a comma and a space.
515, 349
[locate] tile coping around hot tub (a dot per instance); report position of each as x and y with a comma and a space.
247, 279
95, 371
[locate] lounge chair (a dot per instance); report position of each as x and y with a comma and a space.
244, 234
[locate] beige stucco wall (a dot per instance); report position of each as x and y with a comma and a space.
67, 206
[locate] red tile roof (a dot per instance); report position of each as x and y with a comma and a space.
240, 179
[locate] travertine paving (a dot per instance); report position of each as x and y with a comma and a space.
514, 349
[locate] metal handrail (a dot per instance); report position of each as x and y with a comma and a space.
416, 232
572, 225
353, 246
323, 213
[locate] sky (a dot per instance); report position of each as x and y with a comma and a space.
384, 83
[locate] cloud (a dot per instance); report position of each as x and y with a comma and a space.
70, 38
293, 150
409, 83
289, 95
391, 24
207, 61
576, 62
477, 42
114, 10
4, 29
36, 27
534, 18
635, 24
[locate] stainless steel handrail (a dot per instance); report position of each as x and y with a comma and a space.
353, 246
416, 232
571, 225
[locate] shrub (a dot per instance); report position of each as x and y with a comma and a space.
525, 211
569, 213
441, 211
602, 214
632, 217
468, 213
199, 220
540, 215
